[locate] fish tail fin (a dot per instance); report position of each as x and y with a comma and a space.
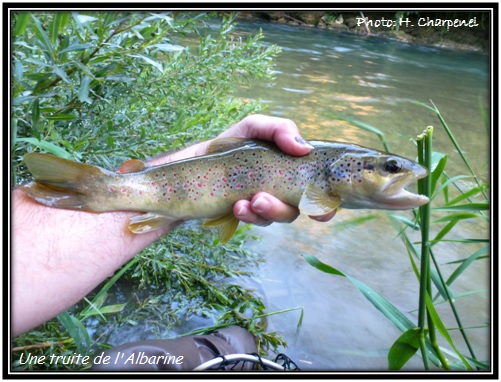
60, 182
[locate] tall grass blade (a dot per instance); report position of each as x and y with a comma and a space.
22, 21
477, 255
367, 127
47, 146
456, 144
443, 331
77, 331
383, 305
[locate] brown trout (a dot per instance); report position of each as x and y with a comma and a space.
332, 175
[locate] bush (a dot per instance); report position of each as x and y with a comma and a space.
106, 87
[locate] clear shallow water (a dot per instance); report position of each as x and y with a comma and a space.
322, 75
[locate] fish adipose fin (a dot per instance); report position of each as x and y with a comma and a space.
60, 182
316, 202
227, 226
149, 222
132, 165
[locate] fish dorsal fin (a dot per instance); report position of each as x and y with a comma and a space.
221, 145
132, 165
227, 226
316, 202
149, 222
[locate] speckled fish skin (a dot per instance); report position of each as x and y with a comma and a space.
209, 186
332, 175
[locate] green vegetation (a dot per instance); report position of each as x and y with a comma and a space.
106, 87
452, 203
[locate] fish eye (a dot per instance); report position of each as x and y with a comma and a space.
392, 166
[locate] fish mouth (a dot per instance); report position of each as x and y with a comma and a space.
395, 195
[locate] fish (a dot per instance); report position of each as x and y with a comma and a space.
333, 175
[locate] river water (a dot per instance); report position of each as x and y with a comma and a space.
324, 75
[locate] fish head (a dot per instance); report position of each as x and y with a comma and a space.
376, 180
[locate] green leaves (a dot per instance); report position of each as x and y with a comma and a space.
21, 21
403, 349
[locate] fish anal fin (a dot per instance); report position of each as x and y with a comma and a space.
132, 165
316, 202
149, 222
227, 225
221, 145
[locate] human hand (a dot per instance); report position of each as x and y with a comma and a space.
264, 209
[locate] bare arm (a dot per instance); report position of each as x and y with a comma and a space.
59, 256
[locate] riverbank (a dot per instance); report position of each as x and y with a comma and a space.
453, 30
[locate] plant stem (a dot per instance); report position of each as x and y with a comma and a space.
423, 189
425, 151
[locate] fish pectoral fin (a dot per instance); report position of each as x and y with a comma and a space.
316, 202
149, 222
132, 165
227, 226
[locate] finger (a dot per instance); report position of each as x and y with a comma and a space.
270, 208
243, 212
282, 131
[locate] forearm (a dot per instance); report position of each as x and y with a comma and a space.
59, 256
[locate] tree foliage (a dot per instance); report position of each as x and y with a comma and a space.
105, 87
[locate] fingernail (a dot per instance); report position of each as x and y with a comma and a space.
242, 211
302, 141
261, 205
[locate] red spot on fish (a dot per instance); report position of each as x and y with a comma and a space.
262, 182
236, 167
225, 195
280, 172
224, 179
239, 186
111, 189
140, 192
124, 190
199, 184
153, 184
